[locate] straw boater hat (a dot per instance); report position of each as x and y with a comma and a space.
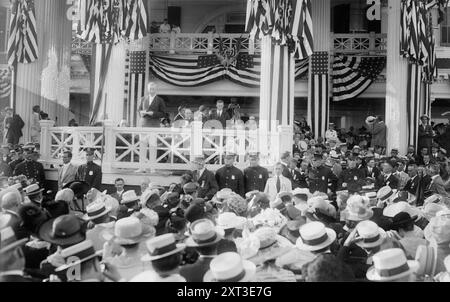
229, 220
96, 209
203, 233
230, 267
432, 199
8, 240
385, 194
401, 206
370, 120
82, 251
430, 210
129, 196
371, 235
161, 247
129, 231
33, 190
224, 193
438, 229
314, 236
426, 256
391, 264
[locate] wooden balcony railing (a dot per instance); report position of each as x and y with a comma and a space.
165, 149
370, 43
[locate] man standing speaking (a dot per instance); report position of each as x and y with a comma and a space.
152, 109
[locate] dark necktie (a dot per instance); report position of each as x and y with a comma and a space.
278, 184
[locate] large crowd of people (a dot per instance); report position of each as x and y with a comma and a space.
334, 209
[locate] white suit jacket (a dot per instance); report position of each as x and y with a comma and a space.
271, 186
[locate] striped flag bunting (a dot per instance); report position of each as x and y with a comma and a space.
288, 22
413, 98
442, 8
199, 70
135, 84
352, 75
5, 82
318, 100
108, 21
22, 40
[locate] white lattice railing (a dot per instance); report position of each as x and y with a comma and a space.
161, 148
201, 43
359, 43
79, 46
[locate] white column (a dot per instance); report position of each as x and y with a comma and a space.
109, 150
396, 84
46, 139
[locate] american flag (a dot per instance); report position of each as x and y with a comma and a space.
136, 83
352, 75
442, 7
5, 82
22, 42
135, 20
288, 22
318, 102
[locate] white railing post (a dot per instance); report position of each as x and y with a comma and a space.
109, 150
372, 42
172, 43
251, 45
210, 43
76, 145
196, 139
46, 139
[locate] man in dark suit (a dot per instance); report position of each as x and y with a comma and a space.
152, 108
387, 178
12, 259
412, 185
119, 183
351, 175
13, 125
371, 169
230, 177
207, 184
285, 160
425, 133
32, 169
321, 178
220, 114
295, 173
255, 176
90, 172
205, 241
17, 158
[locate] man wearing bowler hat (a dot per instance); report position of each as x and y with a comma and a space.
255, 176
207, 184
230, 177
90, 172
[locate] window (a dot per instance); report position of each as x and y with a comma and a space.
445, 30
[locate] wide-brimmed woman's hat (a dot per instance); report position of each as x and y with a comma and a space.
314, 236
162, 246
371, 235
203, 233
229, 220
129, 196
129, 231
96, 209
63, 230
430, 210
401, 206
370, 120
391, 264
230, 267
438, 229
357, 209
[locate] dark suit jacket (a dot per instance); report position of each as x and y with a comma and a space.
84, 174
117, 196
158, 107
392, 181
195, 272
375, 172
412, 185
425, 137
297, 179
286, 172
14, 127
31, 169
208, 186
223, 118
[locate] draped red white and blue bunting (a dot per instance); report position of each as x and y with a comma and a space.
198, 70
352, 75
5, 82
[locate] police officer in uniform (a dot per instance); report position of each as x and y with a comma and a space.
17, 158
351, 175
321, 178
90, 172
205, 179
230, 177
32, 169
255, 176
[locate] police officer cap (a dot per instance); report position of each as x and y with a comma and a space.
89, 151
253, 155
190, 188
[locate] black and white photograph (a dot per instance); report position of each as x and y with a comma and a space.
234, 143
